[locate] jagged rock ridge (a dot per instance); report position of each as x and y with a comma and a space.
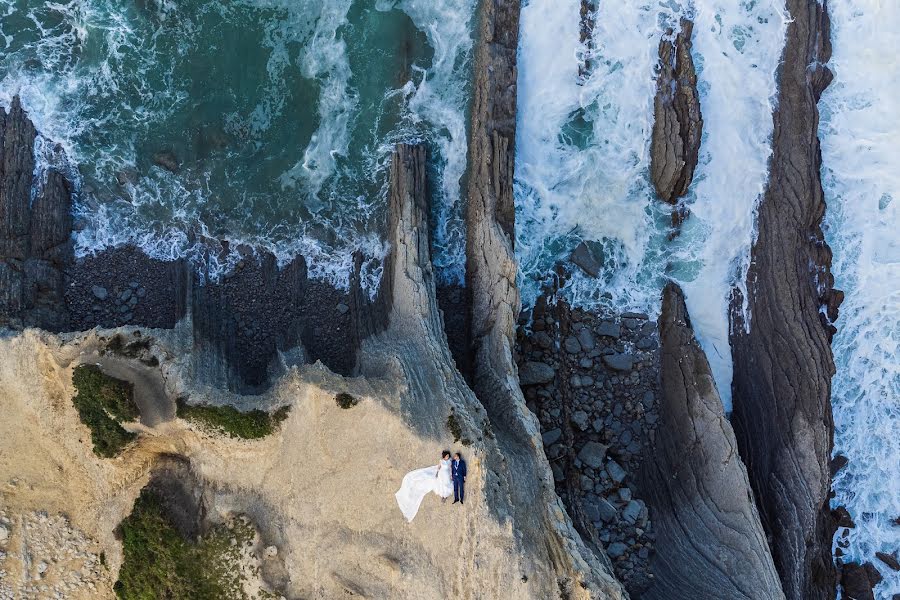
782, 356
678, 124
35, 228
710, 542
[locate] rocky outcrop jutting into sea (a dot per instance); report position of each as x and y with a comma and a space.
678, 124
710, 542
494, 308
35, 228
782, 357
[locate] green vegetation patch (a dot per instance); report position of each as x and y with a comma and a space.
456, 430
160, 563
103, 402
345, 400
249, 425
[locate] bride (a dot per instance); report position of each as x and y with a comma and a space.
416, 485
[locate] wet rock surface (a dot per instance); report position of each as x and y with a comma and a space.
782, 358
593, 381
35, 244
678, 124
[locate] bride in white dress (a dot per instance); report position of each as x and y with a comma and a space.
416, 485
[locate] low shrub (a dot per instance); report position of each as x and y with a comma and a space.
103, 402
345, 400
253, 424
160, 563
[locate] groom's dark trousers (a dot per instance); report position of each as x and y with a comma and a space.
459, 480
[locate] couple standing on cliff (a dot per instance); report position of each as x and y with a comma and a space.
448, 476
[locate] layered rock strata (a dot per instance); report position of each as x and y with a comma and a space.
710, 542
678, 124
494, 308
782, 356
35, 228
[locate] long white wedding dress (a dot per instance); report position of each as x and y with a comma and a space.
416, 485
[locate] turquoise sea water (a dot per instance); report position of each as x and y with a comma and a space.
281, 115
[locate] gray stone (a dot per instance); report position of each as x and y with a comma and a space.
552, 436
591, 512
631, 323
632, 511
167, 160
571, 345
99, 292
581, 420
635, 315
587, 484
625, 494
648, 399
616, 472
607, 511
542, 339
646, 343
584, 259
616, 550
586, 339
533, 373
585, 363
342, 308
619, 362
558, 474
609, 329
593, 454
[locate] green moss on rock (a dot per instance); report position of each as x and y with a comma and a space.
253, 424
103, 402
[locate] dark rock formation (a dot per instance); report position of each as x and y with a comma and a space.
35, 231
857, 581
710, 542
782, 357
494, 307
678, 124
124, 286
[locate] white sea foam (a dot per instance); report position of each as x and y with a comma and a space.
582, 149
861, 174
61, 92
737, 47
440, 99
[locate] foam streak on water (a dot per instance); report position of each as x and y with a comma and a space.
861, 173
582, 149
737, 46
282, 113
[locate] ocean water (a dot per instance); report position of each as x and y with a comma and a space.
281, 113
860, 117
582, 164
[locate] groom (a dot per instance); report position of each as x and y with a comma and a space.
458, 470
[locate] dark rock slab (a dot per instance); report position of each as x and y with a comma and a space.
858, 580
35, 228
533, 373
710, 542
678, 124
783, 364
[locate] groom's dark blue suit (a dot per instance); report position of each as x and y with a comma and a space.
458, 470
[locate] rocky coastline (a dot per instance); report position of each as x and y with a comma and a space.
782, 391
605, 464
